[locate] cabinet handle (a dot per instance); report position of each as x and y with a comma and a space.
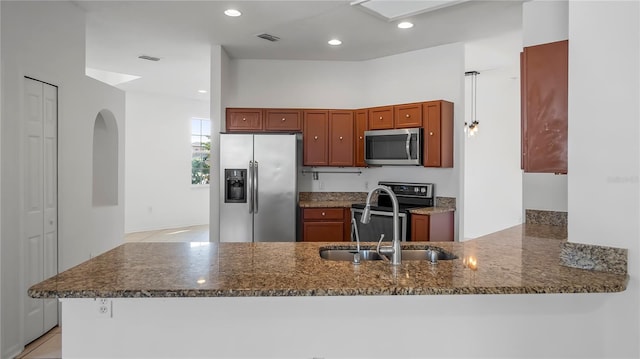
322, 214
360, 137
407, 115
315, 138
381, 117
244, 119
283, 119
430, 133
340, 138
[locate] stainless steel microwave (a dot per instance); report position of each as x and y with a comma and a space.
393, 147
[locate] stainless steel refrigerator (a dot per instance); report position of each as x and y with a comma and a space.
258, 192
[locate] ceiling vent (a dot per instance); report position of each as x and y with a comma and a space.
269, 37
150, 58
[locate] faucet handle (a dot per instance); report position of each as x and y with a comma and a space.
378, 248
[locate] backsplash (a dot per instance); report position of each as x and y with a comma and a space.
551, 218
447, 202
334, 196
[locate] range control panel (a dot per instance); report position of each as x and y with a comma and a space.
401, 189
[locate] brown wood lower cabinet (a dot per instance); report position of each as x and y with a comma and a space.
326, 224
435, 227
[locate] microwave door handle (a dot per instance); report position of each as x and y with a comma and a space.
407, 146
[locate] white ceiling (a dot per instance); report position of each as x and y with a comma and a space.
180, 33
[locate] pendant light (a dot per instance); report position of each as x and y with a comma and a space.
471, 127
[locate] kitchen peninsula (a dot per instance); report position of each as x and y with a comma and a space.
207, 299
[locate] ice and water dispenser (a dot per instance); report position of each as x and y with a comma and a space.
235, 186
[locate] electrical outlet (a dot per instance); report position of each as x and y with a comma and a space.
366, 185
105, 307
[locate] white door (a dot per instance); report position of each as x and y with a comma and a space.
39, 198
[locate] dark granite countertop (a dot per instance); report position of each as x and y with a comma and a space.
521, 259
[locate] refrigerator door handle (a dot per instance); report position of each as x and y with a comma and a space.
255, 186
250, 186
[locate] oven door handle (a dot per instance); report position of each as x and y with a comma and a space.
379, 213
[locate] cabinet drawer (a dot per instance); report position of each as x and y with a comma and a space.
323, 213
244, 119
408, 115
283, 120
381, 118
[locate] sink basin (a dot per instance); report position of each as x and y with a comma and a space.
423, 255
347, 254
371, 255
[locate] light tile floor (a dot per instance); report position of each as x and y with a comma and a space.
49, 346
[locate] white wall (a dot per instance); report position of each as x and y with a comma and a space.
545, 21
492, 175
604, 104
429, 74
45, 40
159, 193
221, 86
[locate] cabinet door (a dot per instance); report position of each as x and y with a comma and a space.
323, 231
381, 118
435, 227
432, 133
361, 126
441, 227
283, 120
244, 119
545, 107
409, 115
419, 228
341, 138
315, 138
438, 133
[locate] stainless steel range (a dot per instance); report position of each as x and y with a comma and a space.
410, 195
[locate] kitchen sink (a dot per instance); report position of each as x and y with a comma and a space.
371, 255
347, 254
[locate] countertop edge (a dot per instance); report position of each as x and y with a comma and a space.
194, 293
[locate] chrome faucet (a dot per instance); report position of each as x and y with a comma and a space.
354, 230
394, 250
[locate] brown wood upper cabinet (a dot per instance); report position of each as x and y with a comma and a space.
361, 117
315, 140
283, 120
381, 118
409, 115
438, 133
244, 119
341, 138
544, 103
328, 138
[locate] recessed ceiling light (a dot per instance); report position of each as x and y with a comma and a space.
202, 91
405, 25
335, 42
232, 12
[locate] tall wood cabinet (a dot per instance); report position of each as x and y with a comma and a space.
544, 105
438, 133
361, 119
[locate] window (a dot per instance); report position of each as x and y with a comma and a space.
200, 150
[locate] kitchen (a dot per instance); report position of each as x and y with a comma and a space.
544, 305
